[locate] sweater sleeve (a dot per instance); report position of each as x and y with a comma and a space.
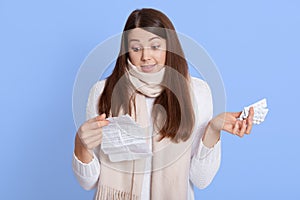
205, 161
205, 164
87, 174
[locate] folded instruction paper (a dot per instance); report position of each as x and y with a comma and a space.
124, 139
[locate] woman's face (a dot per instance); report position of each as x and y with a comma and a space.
147, 51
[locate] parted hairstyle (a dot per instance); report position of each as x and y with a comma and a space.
177, 109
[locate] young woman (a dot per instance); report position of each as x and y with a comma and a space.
151, 83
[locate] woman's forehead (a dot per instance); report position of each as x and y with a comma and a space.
141, 35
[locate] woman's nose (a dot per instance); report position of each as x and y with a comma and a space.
146, 54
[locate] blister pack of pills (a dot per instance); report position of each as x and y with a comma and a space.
260, 111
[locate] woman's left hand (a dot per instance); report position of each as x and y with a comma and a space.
228, 122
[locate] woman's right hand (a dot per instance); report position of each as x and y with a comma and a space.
90, 132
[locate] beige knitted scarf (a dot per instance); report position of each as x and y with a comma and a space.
170, 161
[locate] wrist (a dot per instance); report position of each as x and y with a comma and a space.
213, 126
212, 130
211, 135
82, 153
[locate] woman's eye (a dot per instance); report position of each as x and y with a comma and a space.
136, 49
155, 47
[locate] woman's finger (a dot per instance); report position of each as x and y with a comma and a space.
236, 114
94, 141
93, 119
90, 134
97, 118
250, 120
236, 128
94, 123
251, 112
97, 124
249, 124
101, 117
243, 128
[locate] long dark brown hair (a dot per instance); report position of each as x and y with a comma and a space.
178, 109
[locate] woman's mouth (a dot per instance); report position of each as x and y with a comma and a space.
148, 68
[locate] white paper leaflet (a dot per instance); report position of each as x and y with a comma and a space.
124, 139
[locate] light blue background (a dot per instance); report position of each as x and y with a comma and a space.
255, 45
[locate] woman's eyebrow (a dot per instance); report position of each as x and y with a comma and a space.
137, 40
134, 40
154, 38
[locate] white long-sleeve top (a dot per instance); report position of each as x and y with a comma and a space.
205, 161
